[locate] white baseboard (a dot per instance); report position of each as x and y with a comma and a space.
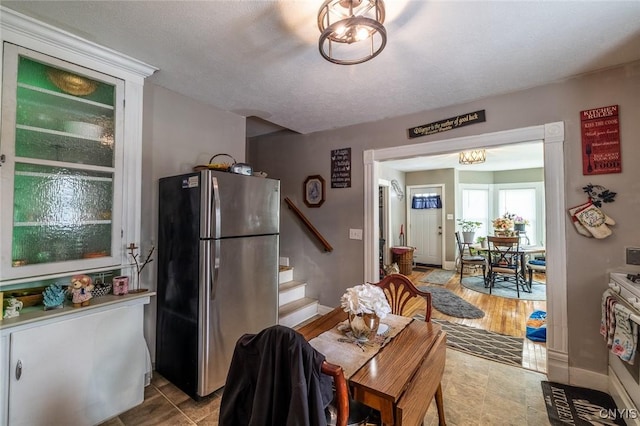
449, 266
557, 366
588, 379
323, 310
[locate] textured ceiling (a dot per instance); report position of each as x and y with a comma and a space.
260, 58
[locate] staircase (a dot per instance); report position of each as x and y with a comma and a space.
294, 306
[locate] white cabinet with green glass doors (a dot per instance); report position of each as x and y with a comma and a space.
62, 169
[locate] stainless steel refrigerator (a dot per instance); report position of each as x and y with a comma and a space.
218, 243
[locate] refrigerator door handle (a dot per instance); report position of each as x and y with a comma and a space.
215, 261
215, 206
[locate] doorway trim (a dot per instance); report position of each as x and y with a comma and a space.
386, 185
552, 136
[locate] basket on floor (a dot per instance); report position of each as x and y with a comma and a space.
403, 256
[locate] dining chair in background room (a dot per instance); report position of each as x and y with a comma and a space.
466, 258
504, 262
400, 291
535, 265
265, 377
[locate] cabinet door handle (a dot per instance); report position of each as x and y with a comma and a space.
18, 370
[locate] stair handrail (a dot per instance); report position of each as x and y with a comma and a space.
310, 227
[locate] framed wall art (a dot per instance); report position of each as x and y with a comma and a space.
313, 191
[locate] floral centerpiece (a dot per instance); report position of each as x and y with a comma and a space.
503, 225
366, 304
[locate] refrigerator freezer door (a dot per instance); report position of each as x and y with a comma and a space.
243, 300
238, 205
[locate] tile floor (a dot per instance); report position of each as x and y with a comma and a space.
476, 392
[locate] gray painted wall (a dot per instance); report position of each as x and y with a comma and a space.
292, 157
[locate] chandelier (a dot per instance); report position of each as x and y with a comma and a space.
472, 157
352, 30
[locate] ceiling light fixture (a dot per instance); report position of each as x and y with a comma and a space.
472, 157
352, 30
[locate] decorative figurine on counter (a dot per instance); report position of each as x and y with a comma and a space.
81, 287
13, 308
53, 297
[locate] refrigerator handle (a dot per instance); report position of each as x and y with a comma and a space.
215, 206
215, 260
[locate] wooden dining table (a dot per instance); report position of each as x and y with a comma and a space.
523, 251
400, 380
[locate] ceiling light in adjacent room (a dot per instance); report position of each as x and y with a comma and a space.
352, 30
472, 157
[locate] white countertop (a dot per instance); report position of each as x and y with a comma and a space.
36, 314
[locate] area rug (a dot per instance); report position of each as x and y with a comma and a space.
451, 304
438, 276
508, 290
483, 343
422, 268
571, 405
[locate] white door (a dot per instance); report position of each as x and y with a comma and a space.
425, 228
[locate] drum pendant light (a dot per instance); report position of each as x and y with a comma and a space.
351, 30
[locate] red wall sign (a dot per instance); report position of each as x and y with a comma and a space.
600, 141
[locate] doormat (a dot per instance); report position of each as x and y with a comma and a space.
438, 276
422, 268
508, 290
571, 405
451, 304
483, 343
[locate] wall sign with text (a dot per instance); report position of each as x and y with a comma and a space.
600, 128
341, 168
447, 124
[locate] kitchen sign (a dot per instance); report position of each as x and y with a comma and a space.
600, 129
447, 124
341, 168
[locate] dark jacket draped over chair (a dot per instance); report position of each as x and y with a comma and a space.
275, 379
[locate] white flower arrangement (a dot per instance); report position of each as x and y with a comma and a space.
365, 299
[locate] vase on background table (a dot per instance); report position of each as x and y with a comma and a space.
364, 326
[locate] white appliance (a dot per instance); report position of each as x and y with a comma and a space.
624, 379
218, 243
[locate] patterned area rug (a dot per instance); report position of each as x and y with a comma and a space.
450, 303
508, 290
482, 343
438, 276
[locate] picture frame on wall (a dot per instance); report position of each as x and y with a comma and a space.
313, 191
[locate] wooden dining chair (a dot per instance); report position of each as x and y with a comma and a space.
402, 296
466, 258
504, 262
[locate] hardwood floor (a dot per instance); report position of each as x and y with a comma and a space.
502, 315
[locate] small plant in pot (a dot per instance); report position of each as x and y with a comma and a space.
468, 229
482, 241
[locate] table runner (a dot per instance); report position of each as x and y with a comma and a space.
349, 355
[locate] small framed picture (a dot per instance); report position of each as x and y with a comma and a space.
313, 191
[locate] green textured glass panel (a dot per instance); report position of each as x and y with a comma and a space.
60, 214
36, 144
46, 77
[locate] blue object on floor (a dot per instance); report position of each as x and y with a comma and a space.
538, 262
537, 326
